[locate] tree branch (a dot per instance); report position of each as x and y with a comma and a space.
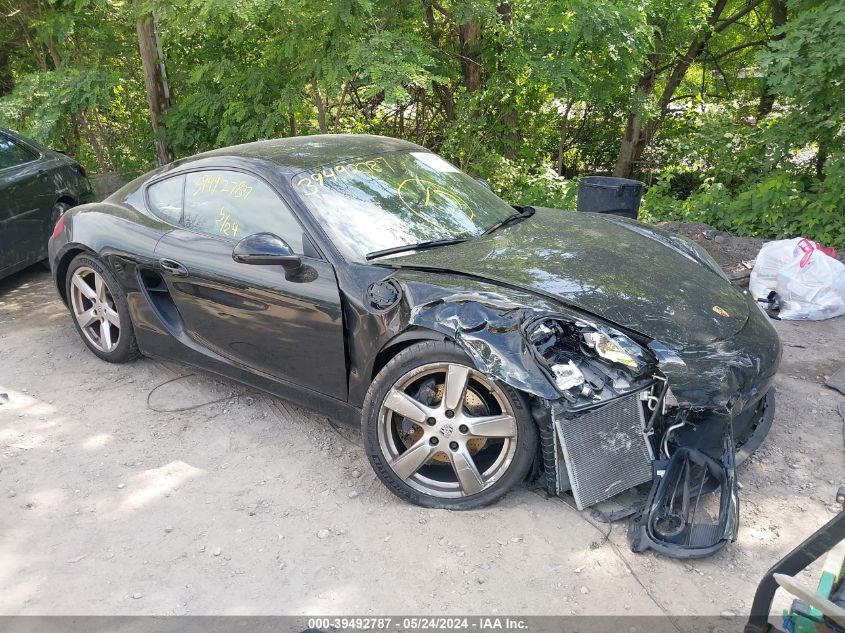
724, 76
321, 107
738, 15
737, 48
346, 87
439, 7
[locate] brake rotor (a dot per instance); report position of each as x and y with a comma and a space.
473, 404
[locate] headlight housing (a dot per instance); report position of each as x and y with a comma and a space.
615, 347
587, 361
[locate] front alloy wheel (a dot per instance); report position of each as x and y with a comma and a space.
447, 435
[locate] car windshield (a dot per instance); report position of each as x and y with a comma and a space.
396, 199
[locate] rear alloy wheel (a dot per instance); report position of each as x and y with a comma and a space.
443, 434
99, 310
94, 309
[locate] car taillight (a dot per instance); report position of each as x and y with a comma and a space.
60, 226
82, 171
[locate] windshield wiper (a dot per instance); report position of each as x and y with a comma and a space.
415, 247
521, 214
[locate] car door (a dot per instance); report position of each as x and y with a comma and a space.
287, 328
26, 203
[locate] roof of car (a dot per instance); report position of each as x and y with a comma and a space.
297, 153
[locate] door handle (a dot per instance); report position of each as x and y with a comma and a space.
174, 268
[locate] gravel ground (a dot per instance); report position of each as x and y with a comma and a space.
150, 488
734, 253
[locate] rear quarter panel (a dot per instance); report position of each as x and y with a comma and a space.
117, 234
66, 180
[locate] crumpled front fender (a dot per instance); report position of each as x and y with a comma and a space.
488, 328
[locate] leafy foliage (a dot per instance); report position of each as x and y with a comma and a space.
782, 175
732, 111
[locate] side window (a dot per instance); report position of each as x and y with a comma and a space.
233, 204
165, 198
12, 154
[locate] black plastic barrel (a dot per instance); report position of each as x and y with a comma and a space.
603, 194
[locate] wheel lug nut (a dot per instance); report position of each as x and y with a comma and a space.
431, 421
463, 428
453, 446
450, 413
434, 441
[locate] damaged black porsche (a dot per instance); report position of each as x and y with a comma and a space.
479, 344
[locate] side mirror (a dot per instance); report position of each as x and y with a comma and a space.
266, 249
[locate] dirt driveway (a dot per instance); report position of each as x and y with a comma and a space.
129, 490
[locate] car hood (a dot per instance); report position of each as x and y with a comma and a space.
620, 270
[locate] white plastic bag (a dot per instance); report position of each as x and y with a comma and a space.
810, 283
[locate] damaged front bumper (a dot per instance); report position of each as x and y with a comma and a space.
706, 409
630, 442
671, 521
617, 410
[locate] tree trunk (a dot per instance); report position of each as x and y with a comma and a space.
80, 121
509, 114
513, 137
821, 159
154, 82
444, 91
292, 124
638, 134
564, 127
767, 97
54, 53
7, 79
346, 88
470, 37
321, 107
632, 142
446, 100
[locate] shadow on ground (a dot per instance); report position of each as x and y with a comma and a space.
153, 488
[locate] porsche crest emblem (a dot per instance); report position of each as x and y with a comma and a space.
721, 311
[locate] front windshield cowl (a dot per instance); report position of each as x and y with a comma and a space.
397, 199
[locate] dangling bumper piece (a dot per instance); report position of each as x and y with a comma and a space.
674, 520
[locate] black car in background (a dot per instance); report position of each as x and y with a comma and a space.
37, 185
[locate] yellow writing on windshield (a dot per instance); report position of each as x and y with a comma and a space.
416, 193
312, 183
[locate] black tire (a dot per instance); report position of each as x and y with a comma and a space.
59, 209
126, 348
414, 357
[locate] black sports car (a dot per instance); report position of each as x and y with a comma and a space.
479, 343
37, 185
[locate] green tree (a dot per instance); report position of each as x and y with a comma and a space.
731, 110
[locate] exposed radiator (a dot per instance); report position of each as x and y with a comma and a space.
604, 449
